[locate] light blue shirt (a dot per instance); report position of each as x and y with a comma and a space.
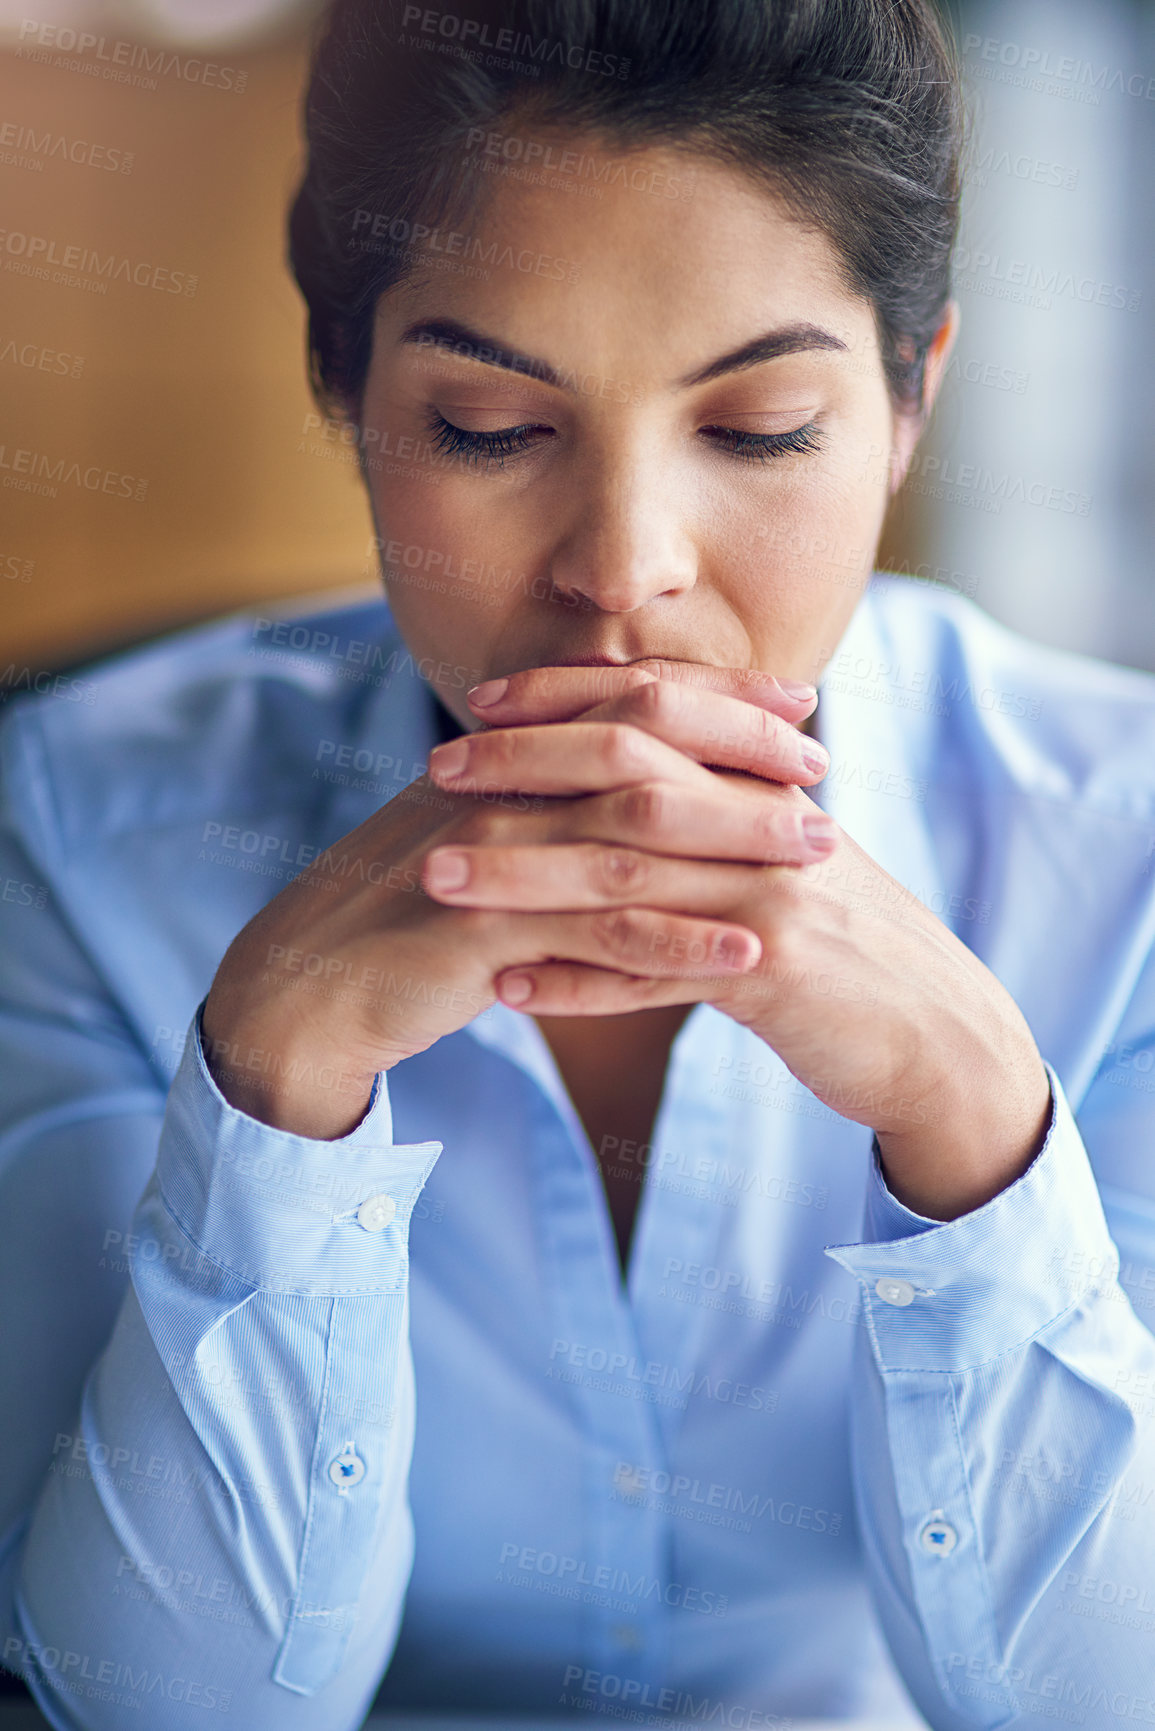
258, 1453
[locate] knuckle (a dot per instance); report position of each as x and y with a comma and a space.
779, 954
500, 751
616, 932
766, 727
623, 749
644, 808
657, 700
759, 732
620, 871
772, 828
475, 826
479, 928
791, 830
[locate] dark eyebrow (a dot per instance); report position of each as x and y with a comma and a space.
790, 340
474, 346
471, 345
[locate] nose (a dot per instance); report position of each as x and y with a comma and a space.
626, 541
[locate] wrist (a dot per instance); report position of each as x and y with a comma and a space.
288, 1089
970, 1149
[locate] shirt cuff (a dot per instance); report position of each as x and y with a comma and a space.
949, 1295
283, 1212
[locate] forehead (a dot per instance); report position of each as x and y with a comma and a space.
660, 243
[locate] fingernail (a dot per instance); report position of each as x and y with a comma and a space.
821, 832
516, 988
446, 870
449, 759
814, 756
734, 951
489, 691
797, 689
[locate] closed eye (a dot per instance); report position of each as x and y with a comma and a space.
493, 447
763, 447
503, 442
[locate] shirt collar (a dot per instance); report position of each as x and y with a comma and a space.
869, 724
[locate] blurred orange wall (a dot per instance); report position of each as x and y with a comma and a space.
171, 426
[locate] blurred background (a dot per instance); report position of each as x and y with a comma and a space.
173, 390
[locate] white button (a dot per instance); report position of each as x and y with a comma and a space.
346, 1469
938, 1536
376, 1212
629, 1482
892, 1291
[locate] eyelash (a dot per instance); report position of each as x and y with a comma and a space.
764, 447
510, 441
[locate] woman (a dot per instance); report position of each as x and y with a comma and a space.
547, 910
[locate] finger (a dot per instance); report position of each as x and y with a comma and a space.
561, 693
577, 758
642, 941
574, 989
718, 731
586, 875
726, 817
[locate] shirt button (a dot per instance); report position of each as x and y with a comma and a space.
892, 1291
376, 1212
938, 1536
346, 1469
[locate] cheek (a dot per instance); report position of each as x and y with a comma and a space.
798, 559
871, 453
823, 526
455, 578
837, 529
410, 512
434, 578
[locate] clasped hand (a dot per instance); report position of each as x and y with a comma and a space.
679, 789
616, 838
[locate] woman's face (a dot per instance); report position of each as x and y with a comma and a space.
705, 444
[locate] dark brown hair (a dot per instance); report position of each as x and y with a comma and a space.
847, 110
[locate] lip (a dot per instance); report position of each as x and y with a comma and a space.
611, 660
594, 661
